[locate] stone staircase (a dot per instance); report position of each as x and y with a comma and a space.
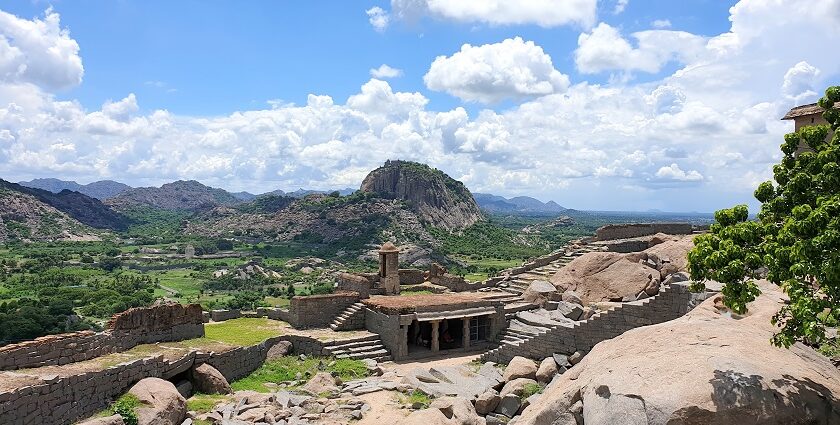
366, 347
529, 336
350, 319
520, 282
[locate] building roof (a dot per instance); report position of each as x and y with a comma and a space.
388, 247
428, 302
804, 110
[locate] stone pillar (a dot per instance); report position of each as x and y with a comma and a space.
466, 336
403, 341
436, 335
389, 268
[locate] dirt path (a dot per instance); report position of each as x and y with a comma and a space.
403, 367
384, 409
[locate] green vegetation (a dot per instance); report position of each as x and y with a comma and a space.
124, 406
795, 237
203, 403
531, 389
243, 331
287, 369
416, 398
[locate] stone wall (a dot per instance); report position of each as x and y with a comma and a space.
222, 315
411, 276
635, 230
65, 399
388, 328
164, 322
316, 311
672, 302
357, 282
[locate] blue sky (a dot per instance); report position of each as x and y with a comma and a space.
219, 57
612, 104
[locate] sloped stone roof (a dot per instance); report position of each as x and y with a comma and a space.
803, 110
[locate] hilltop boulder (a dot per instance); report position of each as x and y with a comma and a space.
433, 195
720, 369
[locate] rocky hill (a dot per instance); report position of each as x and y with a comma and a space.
179, 195
25, 217
438, 199
101, 190
83, 208
518, 204
721, 369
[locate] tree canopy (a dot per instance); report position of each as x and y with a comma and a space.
793, 242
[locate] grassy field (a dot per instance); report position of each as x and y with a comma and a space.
286, 369
476, 277
243, 331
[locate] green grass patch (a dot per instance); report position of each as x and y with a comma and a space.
531, 389
243, 331
278, 301
204, 403
476, 277
124, 406
830, 348
418, 399
286, 369
412, 293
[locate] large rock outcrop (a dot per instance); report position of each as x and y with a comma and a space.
604, 276
437, 198
161, 403
611, 276
707, 367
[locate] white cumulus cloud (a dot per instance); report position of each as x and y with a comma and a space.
378, 18
545, 13
39, 52
604, 49
385, 71
674, 172
489, 73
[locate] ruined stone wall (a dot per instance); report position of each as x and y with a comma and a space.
315, 311
411, 276
61, 400
222, 315
357, 282
672, 302
388, 328
165, 322
635, 230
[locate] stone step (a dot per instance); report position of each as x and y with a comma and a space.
371, 337
364, 355
362, 349
352, 345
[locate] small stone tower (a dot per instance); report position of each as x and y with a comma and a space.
389, 268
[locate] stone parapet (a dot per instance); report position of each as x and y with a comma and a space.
672, 302
159, 323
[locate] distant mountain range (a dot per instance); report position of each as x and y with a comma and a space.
101, 190
105, 189
519, 204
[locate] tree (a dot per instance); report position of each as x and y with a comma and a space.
795, 240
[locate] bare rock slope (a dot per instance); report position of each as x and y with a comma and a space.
706, 367
433, 195
25, 217
610, 276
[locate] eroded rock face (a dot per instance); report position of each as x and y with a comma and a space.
280, 349
719, 370
436, 197
162, 404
